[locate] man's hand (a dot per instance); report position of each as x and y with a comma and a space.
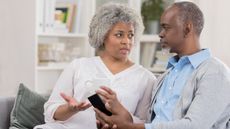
120, 118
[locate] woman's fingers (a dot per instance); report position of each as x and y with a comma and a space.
65, 97
69, 99
84, 106
74, 105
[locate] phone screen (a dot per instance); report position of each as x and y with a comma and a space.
96, 101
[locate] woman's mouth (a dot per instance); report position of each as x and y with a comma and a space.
124, 51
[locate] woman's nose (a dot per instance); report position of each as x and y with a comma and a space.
126, 40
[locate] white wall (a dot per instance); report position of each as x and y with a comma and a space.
216, 35
17, 40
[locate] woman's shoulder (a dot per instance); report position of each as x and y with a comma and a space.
145, 71
83, 60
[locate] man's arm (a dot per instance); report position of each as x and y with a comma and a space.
118, 121
211, 100
120, 118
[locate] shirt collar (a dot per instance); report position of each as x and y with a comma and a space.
195, 59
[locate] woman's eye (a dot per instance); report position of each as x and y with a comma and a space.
131, 35
118, 35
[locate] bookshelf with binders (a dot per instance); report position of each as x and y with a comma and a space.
61, 36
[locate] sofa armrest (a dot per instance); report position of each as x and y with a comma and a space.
6, 105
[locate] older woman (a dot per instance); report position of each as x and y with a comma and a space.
114, 30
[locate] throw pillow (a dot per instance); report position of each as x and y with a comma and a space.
28, 109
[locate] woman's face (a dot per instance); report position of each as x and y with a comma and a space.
119, 40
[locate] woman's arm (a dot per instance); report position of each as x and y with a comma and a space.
58, 107
72, 106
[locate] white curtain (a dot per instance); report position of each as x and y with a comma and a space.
216, 33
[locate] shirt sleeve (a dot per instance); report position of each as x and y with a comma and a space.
65, 84
211, 100
142, 110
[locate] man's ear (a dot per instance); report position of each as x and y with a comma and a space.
188, 29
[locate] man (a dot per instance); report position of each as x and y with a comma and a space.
194, 92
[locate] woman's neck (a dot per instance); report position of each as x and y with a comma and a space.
116, 65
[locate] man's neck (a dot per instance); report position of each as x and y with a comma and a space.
192, 46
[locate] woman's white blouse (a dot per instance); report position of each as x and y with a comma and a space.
132, 85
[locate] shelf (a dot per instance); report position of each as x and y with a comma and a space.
63, 35
150, 38
52, 66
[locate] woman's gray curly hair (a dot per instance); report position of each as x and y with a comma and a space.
107, 16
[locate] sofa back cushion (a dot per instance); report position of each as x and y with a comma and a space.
6, 105
28, 109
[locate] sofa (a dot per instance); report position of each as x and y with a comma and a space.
24, 111
6, 105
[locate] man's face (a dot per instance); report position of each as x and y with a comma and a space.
172, 34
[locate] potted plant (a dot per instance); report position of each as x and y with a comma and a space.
151, 11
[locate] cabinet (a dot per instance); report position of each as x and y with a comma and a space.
55, 48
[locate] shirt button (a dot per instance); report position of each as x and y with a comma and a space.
176, 70
158, 116
170, 88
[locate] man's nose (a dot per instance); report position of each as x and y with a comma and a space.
161, 34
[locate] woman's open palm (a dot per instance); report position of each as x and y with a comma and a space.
75, 105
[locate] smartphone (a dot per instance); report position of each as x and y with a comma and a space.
96, 101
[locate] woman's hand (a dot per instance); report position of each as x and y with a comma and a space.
72, 106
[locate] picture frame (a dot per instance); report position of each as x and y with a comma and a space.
64, 14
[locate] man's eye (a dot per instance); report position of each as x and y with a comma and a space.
166, 28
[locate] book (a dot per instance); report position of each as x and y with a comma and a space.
48, 15
63, 17
40, 12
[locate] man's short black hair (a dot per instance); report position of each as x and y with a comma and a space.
188, 11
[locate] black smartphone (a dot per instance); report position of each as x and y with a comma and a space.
96, 101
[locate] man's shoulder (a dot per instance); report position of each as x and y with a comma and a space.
214, 62
213, 66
